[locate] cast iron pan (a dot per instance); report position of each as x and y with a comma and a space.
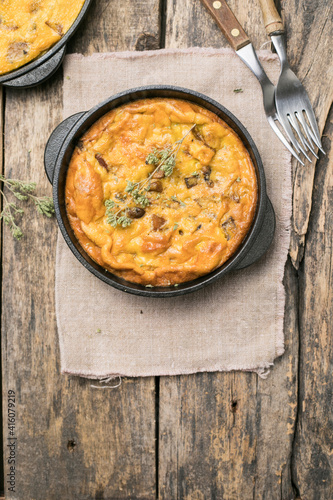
58, 153
40, 69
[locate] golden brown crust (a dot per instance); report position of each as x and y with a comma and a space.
197, 217
28, 28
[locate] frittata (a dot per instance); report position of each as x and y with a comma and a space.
28, 28
160, 191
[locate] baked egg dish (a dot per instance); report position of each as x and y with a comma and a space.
160, 192
28, 28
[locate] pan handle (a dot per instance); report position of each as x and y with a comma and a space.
263, 240
39, 74
55, 142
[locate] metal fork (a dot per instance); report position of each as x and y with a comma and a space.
240, 42
292, 101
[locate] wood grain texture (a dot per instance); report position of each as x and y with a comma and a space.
313, 456
229, 435
221, 435
189, 24
1, 370
112, 25
74, 441
310, 54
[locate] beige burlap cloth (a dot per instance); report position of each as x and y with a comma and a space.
234, 324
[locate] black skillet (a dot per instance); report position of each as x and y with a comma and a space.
41, 68
58, 153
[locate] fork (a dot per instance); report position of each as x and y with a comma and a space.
292, 101
241, 43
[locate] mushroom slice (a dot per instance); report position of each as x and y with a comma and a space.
57, 27
17, 51
159, 174
158, 222
135, 212
191, 181
101, 161
229, 228
156, 186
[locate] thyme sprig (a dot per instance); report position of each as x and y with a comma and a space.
165, 160
23, 191
114, 218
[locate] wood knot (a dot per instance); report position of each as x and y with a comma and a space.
71, 445
233, 405
146, 41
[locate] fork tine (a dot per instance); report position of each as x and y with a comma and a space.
287, 128
282, 138
306, 127
312, 120
314, 136
294, 123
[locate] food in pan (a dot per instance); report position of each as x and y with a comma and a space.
160, 191
28, 28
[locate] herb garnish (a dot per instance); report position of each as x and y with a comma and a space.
238, 91
23, 191
164, 160
118, 218
173, 198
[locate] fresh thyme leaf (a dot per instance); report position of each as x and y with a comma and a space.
238, 91
175, 226
152, 158
116, 218
45, 206
140, 198
169, 165
124, 221
130, 186
109, 204
238, 179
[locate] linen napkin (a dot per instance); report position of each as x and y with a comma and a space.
233, 324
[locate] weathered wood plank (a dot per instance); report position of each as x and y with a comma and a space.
231, 436
313, 455
74, 441
189, 24
309, 31
1, 372
125, 25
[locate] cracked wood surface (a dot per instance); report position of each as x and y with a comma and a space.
216, 436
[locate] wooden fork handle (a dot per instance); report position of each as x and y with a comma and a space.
227, 22
272, 19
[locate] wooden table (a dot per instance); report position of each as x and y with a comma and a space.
204, 436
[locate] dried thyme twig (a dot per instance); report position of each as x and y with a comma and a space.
23, 191
165, 160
